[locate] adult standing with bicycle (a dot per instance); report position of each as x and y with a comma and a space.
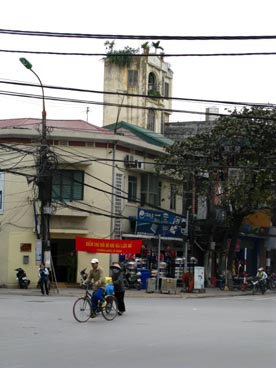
97, 275
119, 289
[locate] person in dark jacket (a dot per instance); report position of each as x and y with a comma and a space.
43, 278
119, 289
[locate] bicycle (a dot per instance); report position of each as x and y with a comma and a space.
82, 307
258, 285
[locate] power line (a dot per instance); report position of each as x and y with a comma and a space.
71, 89
135, 37
140, 55
190, 112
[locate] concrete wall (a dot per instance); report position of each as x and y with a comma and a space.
116, 80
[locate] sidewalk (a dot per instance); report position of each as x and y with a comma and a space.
75, 292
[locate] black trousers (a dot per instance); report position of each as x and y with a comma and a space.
44, 287
120, 296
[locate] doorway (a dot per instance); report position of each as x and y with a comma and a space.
64, 259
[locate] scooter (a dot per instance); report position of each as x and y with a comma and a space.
83, 278
237, 283
132, 280
21, 276
271, 281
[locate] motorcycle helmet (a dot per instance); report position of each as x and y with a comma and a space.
260, 269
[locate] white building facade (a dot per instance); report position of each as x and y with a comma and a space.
138, 93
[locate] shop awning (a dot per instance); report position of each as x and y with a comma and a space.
147, 236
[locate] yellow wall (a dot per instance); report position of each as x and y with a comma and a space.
17, 220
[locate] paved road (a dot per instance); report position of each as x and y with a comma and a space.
213, 332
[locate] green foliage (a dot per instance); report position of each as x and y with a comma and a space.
154, 93
244, 141
122, 57
145, 46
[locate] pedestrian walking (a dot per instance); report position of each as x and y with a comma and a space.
43, 274
119, 289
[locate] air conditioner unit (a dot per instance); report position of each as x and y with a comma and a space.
129, 161
140, 165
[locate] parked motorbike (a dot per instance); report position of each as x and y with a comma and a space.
271, 281
21, 276
132, 280
83, 278
237, 283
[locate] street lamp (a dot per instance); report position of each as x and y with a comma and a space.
44, 179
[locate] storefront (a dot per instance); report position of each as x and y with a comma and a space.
164, 246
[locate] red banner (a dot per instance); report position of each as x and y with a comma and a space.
108, 246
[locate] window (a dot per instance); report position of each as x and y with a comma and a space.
132, 78
132, 188
173, 197
167, 89
152, 83
68, 185
151, 120
150, 189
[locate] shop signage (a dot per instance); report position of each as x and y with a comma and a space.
257, 224
25, 247
150, 222
92, 245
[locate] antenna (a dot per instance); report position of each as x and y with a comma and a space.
87, 112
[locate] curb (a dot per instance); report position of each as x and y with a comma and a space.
73, 292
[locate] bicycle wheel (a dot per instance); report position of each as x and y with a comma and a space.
82, 309
138, 285
110, 311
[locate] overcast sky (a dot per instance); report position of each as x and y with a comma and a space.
239, 78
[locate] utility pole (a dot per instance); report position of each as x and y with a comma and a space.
186, 243
44, 181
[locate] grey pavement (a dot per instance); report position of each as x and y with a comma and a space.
156, 332
75, 292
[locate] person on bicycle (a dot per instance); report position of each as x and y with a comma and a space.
262, 275
97, 275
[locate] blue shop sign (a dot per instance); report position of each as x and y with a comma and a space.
150, 222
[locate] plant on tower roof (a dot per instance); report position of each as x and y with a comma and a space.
119, 57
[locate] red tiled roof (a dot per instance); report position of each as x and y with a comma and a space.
30, 123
